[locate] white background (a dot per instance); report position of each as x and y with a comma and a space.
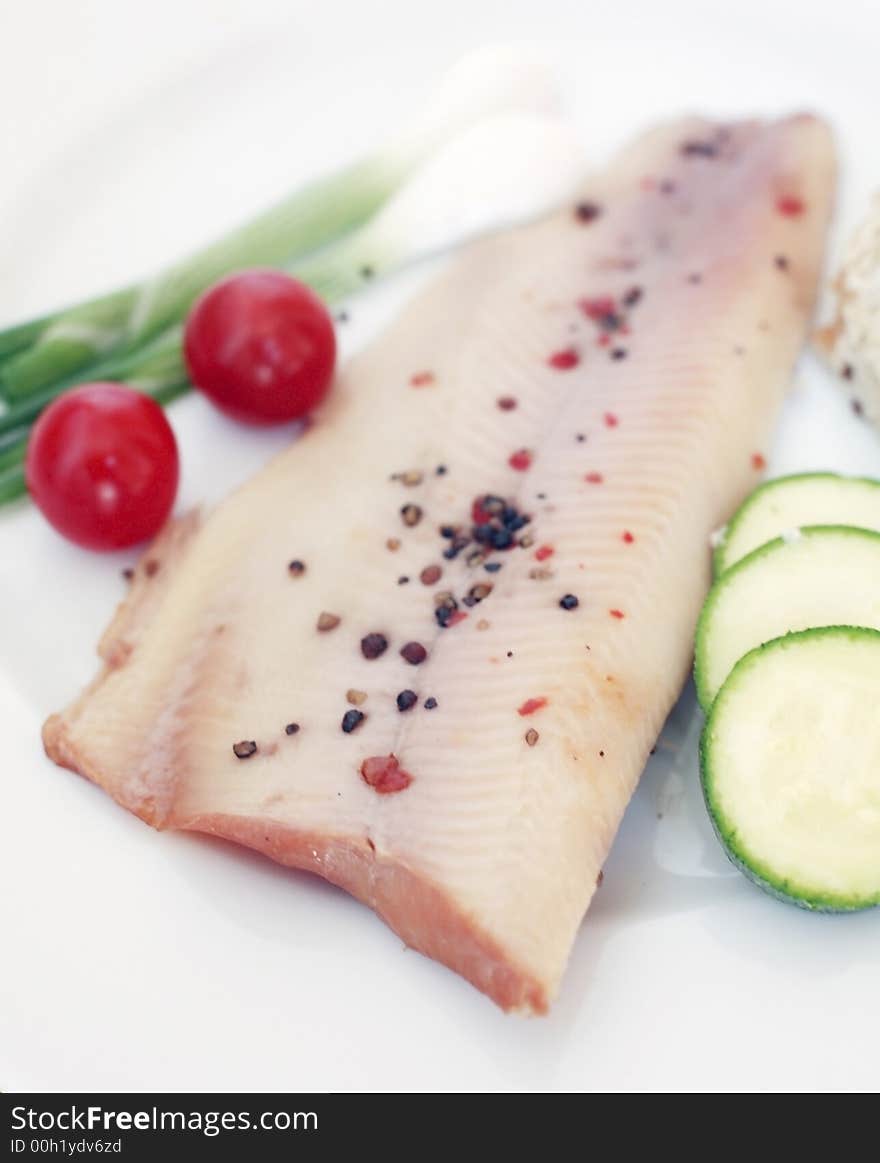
129, 133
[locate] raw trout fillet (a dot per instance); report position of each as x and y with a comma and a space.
426, 651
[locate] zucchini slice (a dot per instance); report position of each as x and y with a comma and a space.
822, 576
790, 761
818, 498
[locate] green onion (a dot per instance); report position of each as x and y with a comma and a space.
46, 351
497, 160
12, 470
12, 453
12, 437
15, 339
505, 169
155, 367
12, 484
122, 321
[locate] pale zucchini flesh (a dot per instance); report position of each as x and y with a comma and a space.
821, 576
790, 760
789, 502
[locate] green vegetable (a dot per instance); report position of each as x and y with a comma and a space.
330, 235
12, 484
157, 366
427, 215
15, 339
817, 498
38, 354
789, 768
12, 453
122, 321
825, 576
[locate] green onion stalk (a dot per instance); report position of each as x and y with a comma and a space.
135, 334
336, 235
12, 471
49, 350
157, 367
122, 322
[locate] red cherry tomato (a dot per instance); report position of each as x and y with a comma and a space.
262, 346
102, 466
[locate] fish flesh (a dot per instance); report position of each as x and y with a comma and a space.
426, 651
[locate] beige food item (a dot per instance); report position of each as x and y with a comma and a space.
851, 342
612, 374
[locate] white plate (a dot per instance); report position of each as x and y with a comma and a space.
134, 960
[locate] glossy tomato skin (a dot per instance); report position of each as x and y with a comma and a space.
102, 466
261, 345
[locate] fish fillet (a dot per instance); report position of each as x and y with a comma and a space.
612, 374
